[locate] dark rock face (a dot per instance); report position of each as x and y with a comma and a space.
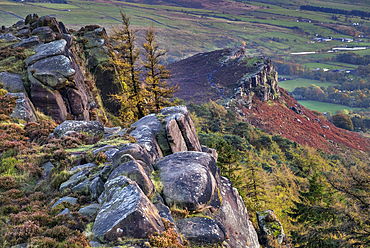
127, 212
187, 180
200, 230
49, 101
270, 226
93, 129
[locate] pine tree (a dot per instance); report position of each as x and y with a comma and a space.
156, 74
254, 188
124, 59
313, 214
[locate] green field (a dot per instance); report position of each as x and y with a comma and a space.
324, 106
187, 31
290, 85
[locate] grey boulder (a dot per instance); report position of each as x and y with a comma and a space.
12, 82
146, 130
90, 210
55, 72
201, 230
93, 129
74, 180
135, 172
71, 200
127, 212
29, 42
187, 180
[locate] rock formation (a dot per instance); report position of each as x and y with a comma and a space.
55, 82
139, 188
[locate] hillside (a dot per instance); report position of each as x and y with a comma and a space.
244, 171
227, 70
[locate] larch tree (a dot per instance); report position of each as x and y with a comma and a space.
156, 74
124, 60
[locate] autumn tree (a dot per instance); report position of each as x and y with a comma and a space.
156, 74
124, 58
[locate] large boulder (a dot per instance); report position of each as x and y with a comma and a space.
93, 129
187, 180
126, 212
135, 172
145, 132
12, 82
201, 230
55, 72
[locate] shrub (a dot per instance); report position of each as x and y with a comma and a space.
43, 242
59, 233
342, 121
8, 182
21, 233
168, 238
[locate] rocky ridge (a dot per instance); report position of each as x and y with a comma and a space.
137, 190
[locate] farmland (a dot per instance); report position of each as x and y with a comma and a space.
185, 28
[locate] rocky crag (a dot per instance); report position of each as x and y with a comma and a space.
224, 74
51, 67
166, 176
